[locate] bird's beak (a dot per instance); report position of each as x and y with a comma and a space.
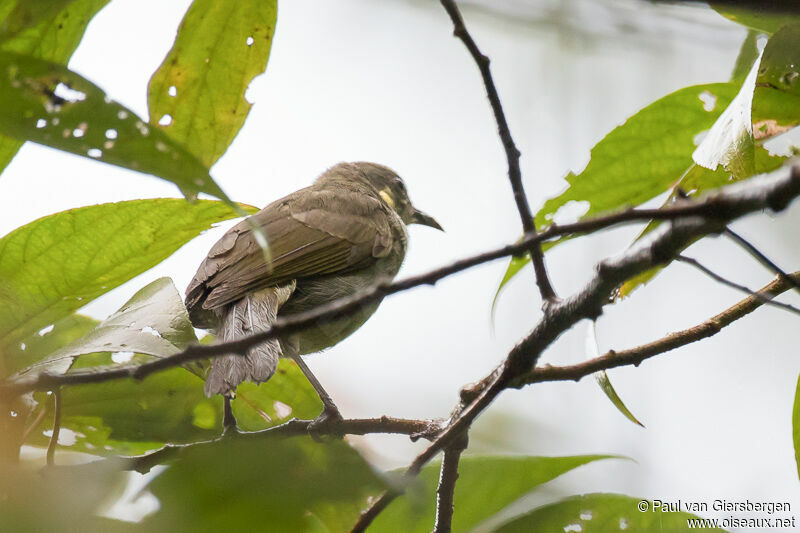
418, 217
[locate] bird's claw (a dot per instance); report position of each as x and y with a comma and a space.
327, 423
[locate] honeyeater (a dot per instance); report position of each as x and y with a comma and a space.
342, 234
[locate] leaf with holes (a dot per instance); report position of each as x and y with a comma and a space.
126, 416
44, 342
47, 103
130, 417
53, 38
776, 102
57, 264
287, 395
153, 321
197, 94
775, 109
602, 513
485, 486
651, 152
639, 159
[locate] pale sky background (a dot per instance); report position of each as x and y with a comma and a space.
386, 82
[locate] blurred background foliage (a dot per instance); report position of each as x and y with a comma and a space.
53, 266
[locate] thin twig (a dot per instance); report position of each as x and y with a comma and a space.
712, 207
354, 426
512, 153
51, 447
659, 247
369, 514
763, 259
710, 273
454, 430
634, 356
445, 491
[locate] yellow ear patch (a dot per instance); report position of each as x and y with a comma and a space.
387, 197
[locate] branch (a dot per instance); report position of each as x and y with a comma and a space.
448, 475
458, 425
711, 207
713, 275
657, 248
635, 356
354, 426
512, 153
371, 513
763, 259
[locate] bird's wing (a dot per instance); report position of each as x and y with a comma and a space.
323, 234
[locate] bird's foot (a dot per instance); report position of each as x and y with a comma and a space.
327, 423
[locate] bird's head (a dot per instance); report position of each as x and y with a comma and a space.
389, 187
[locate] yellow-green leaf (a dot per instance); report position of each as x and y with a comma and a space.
45, 102
52, 38
604, 513
197, 94
57, 264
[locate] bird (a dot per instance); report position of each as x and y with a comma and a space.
341, 235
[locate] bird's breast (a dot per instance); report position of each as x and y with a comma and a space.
311, 293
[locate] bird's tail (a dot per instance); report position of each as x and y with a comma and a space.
253, 313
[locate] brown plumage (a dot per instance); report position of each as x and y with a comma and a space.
326, 241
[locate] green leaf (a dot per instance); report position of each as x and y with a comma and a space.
57, 264
197, 94
796, 426
593, 351
252, 484
608, 389
130, 417
777, 96
639, 159
47, 103
760, 20
730, 142
748, 53
26, 14
485, 486
695, 182
649, 153
36, 346
54, 39
600, 513
514, 265
644, 156
153, 321
775, 109
288, 394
